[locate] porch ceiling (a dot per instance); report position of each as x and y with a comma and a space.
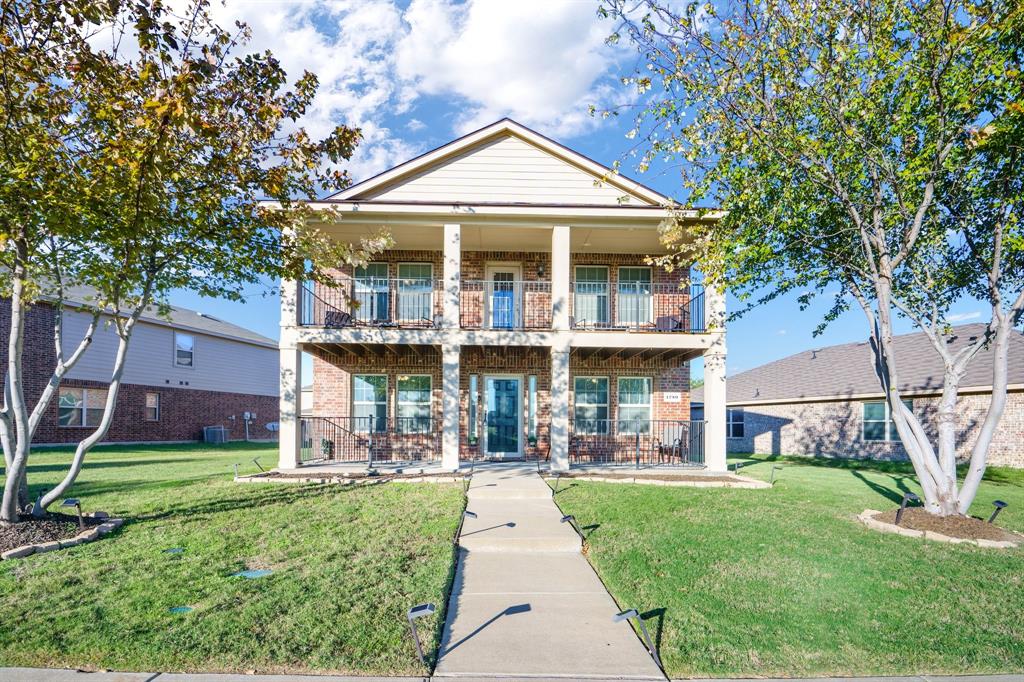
357, 351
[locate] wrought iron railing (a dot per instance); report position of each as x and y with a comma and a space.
641, 442
369, 439
638, 306
520, 304
372, 302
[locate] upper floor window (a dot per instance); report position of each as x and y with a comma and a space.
81, 406
416, 292
734, 422
184, 350
371, 292
634, 300
590, 307
878, 423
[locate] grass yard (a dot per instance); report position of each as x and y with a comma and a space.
786, 582
347, 563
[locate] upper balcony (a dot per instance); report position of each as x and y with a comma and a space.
504, 303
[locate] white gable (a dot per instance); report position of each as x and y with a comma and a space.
504, 169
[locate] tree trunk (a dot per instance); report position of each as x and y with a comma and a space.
19, 459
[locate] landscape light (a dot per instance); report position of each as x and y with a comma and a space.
558, 480
256, 461
907, 497
470, 514
236, 470
633, 614
571, 520
771, 479
73, 502
736, 467
999, 506
419, 611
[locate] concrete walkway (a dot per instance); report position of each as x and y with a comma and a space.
525, 602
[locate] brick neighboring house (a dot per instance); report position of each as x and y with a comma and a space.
516, 317
827, 403
181, 375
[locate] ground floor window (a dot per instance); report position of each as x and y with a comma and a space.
531, 409
634, 404
413, 404
878, 423
734, 423
81, 406
590, 410
474, 406
369, 402
152, 407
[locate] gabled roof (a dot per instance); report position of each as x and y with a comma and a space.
178, 318
373, 188
847, 370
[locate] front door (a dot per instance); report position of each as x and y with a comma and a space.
503, 296
503, 425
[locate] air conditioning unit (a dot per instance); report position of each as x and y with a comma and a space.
215, 434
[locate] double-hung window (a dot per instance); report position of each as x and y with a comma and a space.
81, 406
184, 350
413, 403
734, 422
634, 299
416, 292
590, 410
369, 402
371, 292
878, 423
152, 407
590, 304
634, 405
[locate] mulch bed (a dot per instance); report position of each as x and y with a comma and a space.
654, 477
32, 531
966, 527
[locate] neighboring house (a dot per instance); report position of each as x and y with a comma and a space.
181, 374
827, 402
307, 400
516, 316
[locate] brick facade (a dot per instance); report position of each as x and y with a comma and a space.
835, 429
183, 412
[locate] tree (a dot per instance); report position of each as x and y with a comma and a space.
869, 145
146, 169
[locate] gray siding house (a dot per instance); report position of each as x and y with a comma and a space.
826, 402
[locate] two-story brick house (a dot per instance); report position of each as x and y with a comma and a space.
517, 316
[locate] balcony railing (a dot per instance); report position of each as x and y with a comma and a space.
638, 306
369, 439
517, 304
372, 302
640, 442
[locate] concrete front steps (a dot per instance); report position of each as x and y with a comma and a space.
525, 603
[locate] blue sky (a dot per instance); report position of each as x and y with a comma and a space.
414, 75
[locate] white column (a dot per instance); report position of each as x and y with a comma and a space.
559, 408
290, 430
450, 407
560, 276
714, 383
452, 274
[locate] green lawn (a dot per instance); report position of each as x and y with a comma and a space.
785, 582
347, 562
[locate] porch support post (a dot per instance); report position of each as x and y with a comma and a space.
560, 276
714, 383
290, 430
559, 408
452, 275
450, 407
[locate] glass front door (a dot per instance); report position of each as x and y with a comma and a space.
503, 420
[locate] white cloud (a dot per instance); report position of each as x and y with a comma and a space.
963, 317
781, 332
415, 125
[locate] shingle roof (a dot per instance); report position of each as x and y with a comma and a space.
848, 370
182, 318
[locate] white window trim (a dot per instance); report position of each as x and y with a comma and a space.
650, 305
607, 290
174, 349
145, 416
82, 410
603, 428
398, 403
354, 402
619, 403
398, 289
889, 426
